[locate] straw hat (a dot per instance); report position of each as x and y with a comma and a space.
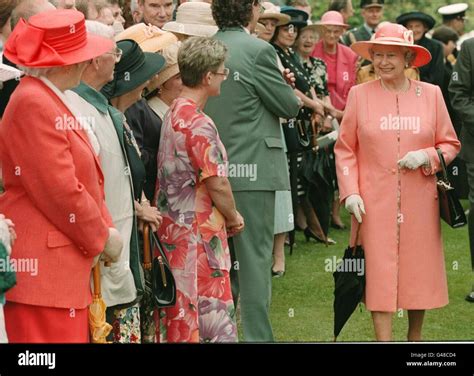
391, 34
53, 39
194, 19
171, 68
150, 38
273, 12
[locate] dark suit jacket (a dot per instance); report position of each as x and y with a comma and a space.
7, 89
433, 72
146, 127
461, 90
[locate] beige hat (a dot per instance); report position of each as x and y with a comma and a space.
272, 11
193, 18
260, 28
150, 38
170, 54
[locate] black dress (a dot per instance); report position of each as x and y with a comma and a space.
146, 127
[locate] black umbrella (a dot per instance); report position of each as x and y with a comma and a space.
147, 307
349, 284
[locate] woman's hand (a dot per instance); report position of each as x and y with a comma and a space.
289, 77
113, 246
148, 214
355, 205
318, 108
236, 225
414, 159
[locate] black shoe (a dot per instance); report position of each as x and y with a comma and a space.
310, 235
338, 227
470, 297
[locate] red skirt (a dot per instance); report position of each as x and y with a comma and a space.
35, 324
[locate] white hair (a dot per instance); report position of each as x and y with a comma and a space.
134, 6
38, 72
100, 29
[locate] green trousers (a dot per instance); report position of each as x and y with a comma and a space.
253, 251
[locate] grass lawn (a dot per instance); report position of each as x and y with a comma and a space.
302, 300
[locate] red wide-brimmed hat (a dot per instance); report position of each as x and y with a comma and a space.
391, 34
52, 39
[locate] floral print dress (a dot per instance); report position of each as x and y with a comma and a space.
193, 231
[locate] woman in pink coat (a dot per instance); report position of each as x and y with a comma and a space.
54, 186
386, 163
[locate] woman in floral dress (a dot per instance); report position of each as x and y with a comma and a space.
197, 204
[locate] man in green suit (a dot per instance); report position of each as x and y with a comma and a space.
247, 116
372, 12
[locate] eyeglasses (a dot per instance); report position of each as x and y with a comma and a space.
225, 73
117, 52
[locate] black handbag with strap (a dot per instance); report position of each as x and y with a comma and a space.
163, 284
450, 209
297, 135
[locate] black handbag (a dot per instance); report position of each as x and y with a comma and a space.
297, 135
450, 209
163, 284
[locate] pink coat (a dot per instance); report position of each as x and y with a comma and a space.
345, 70
54, 193
401, 237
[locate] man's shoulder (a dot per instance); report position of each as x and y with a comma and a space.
245, 42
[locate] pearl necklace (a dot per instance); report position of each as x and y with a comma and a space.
404, 89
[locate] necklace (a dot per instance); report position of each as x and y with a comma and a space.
404, 89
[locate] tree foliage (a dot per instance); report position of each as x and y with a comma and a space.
394, 8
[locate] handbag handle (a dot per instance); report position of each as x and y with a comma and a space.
357, 236
443, 165
146, 247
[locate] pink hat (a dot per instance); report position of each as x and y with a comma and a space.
332, 18
54, 38
391, 34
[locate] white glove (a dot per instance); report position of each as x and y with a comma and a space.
5, 233
113, 246
355, 205
414, 159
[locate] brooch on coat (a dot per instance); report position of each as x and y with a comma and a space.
418, 91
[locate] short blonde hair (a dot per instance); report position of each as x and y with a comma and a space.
198, 56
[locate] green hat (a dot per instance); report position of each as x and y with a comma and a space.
299, 18
134, 69
371, 3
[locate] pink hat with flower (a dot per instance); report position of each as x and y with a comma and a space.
391, 34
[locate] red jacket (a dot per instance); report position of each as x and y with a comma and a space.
54, 194
346, 72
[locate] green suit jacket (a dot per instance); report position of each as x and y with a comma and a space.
247, 113
356, 35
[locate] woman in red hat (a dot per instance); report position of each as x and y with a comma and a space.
53, 182
386, 162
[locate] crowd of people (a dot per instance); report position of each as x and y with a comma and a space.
212, 123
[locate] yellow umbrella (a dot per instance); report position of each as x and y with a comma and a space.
98, 327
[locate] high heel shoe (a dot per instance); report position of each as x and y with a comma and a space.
310, 235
